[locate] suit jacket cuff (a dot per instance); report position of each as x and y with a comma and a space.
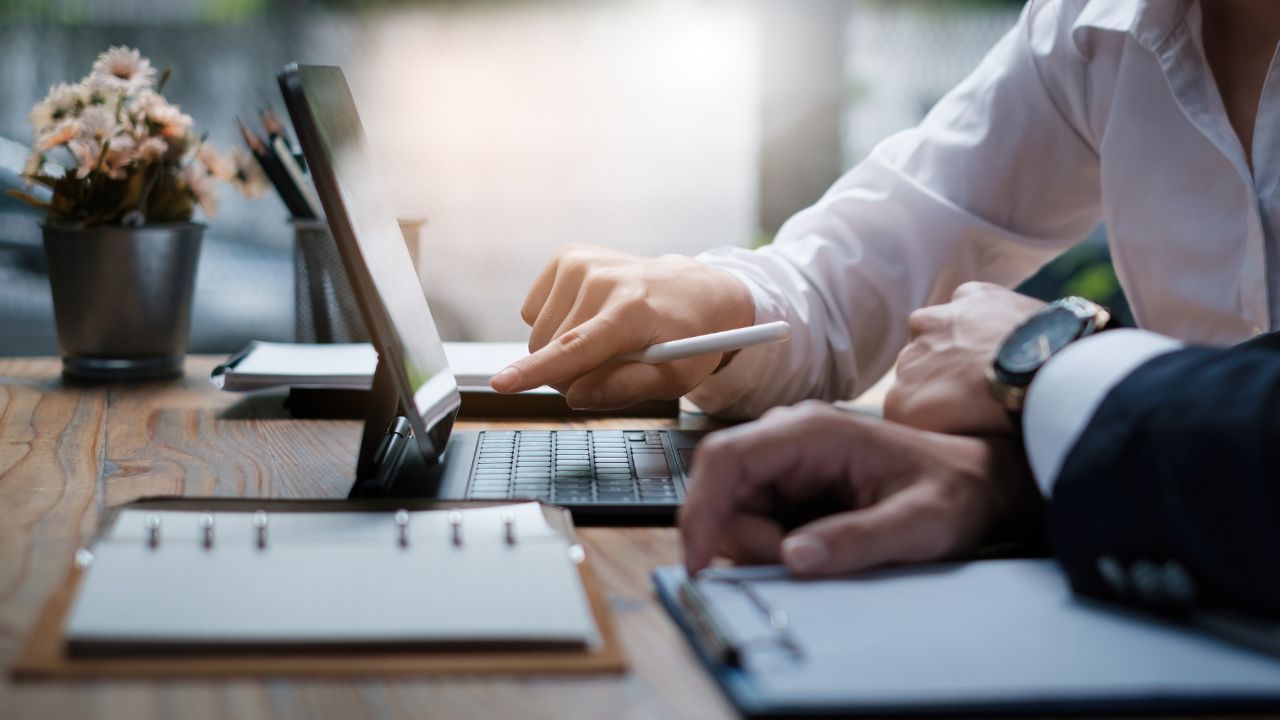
1069, 388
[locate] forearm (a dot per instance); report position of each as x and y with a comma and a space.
949, 201
1169, 496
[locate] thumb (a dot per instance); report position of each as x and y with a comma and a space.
904, 527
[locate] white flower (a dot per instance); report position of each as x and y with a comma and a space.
152, 149
120, 154
249, 178
111, 155
98, 123
87, 155
216, 164
58, 135
195, 176
64, 102
165, 119
124, 70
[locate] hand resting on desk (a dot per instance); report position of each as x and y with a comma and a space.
828, 492
591, 304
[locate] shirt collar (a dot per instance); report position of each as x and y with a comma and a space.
1150, 22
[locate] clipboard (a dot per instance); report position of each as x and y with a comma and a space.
45, 656
990, 637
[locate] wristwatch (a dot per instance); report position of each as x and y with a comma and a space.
1042, 336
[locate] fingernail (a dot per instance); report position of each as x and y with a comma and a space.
587, 399
804, 553
506, 379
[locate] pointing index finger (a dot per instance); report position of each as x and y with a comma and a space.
573, 353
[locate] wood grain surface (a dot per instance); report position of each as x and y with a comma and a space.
67, 452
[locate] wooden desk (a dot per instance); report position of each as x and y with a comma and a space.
67, 452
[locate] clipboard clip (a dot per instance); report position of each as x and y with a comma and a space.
712, 636
719, 643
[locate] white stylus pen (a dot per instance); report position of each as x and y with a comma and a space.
712, 343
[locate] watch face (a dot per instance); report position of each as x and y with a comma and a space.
1038, 339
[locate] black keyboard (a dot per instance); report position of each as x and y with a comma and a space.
569, 467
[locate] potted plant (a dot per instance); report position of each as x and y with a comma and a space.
121, 244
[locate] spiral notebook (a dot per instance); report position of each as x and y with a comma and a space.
236, 587
166, 580
230, 587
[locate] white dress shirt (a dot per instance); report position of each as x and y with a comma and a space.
1086, 111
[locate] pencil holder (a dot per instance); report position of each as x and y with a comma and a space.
325, 305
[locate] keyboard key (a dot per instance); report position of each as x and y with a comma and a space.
576, 492
651, 466
656, 491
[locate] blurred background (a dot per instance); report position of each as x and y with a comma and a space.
514, 127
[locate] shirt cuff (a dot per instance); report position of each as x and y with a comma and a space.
720, 393
1069, 388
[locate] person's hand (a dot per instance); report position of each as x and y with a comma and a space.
591, 304
942, 372
887, 493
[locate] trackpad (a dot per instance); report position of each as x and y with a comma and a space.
686, 459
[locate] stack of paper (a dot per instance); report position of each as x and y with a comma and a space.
350, 366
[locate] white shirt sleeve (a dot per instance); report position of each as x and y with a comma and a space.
1069, 388
995, 181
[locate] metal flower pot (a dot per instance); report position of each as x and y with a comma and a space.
122, 298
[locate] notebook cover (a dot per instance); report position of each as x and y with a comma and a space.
45, 658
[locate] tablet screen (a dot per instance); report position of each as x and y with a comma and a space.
365, 228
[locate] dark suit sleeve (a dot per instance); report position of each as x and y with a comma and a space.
1170, 498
